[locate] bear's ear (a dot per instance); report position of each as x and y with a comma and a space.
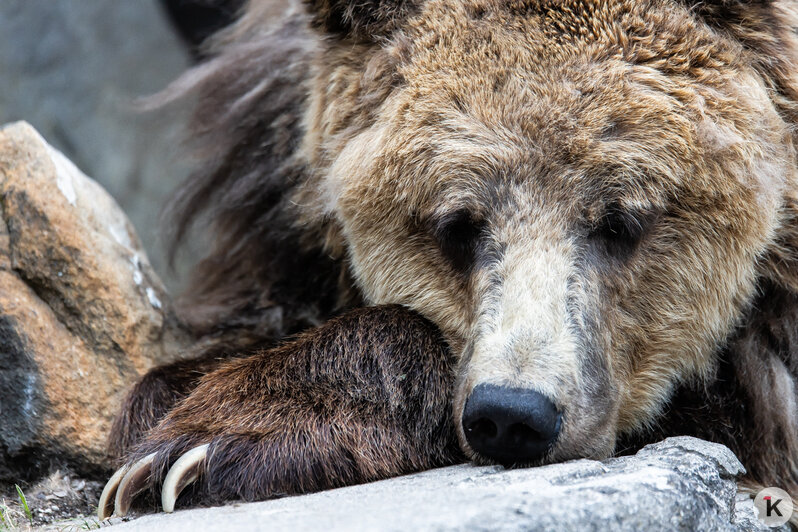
741, 16
362, 20
767, 28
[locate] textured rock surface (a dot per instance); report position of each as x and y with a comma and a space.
81, 312
678, 484
73, 69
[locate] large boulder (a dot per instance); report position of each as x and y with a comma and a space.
74, 69
82, 314
679, 484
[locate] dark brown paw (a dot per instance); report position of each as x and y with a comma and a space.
364, 397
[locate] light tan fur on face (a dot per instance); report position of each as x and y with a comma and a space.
536, 120
523, 337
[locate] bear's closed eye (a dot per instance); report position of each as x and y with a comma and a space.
458, 236
619, 231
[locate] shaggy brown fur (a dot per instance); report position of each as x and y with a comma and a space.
363, 397
155, 395
746, 405
593, 199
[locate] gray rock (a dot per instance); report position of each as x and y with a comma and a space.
678, 484
73, 69
82, 313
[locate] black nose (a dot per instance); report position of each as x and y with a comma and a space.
510, 425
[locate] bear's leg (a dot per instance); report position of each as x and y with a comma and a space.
152, 397
364, 397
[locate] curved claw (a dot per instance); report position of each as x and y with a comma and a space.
133, 483
106, 505
184, 471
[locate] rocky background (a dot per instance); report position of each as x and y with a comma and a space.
82, 310
82, 313
82, 316
73, 69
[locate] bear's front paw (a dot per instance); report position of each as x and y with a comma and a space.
361, 398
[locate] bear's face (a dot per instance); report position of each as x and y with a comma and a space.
579, 198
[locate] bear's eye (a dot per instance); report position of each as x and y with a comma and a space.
458, 236
620, 231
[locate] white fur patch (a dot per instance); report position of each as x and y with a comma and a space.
784, 389
358, 152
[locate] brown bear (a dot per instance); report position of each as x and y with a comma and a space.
514, 232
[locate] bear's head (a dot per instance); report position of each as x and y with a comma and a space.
583, 195
586, 196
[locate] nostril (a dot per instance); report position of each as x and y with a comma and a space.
483, 427
518, 434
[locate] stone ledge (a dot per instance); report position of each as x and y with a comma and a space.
678, 484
